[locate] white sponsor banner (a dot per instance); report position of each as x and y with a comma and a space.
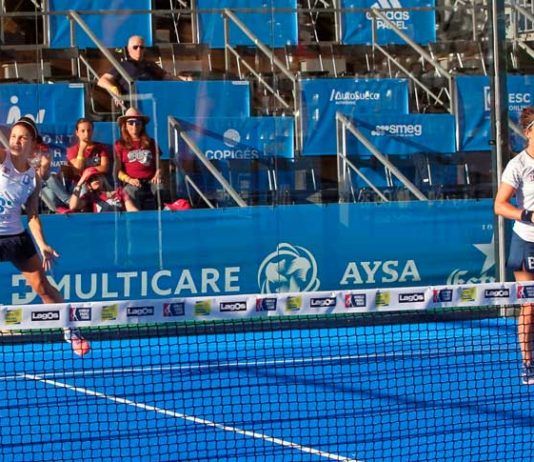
261, 305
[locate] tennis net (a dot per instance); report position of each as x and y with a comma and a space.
396, 374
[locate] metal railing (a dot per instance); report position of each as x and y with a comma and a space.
229, 15
423, 54
176, 133
74, 17
343, 124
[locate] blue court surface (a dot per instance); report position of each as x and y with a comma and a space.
447, 391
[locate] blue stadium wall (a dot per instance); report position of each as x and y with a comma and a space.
264, 250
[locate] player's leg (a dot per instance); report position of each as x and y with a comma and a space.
520, 261
525, 326
33, 272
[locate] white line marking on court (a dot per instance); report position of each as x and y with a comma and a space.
189, 418
252, 363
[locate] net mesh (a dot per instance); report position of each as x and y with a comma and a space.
402, 385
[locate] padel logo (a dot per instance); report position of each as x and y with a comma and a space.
288, 269
497, 293
442, 295
383, 298
412, 298
110, 312
13, 316
266, 304
355, 300
80, 313
232, 306
140, 311
202, 307
323, 302
398, 18
45, 316
294, 303
171, 310
468, 294
525, 291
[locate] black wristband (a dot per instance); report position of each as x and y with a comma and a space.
526, 216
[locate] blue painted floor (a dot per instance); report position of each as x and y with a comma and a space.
426, 392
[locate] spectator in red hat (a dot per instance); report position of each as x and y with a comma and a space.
96, 198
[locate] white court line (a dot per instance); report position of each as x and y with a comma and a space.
252, 363
189, 418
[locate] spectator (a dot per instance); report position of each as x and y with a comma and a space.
86, 152
137, 161
96, 197
53, 192
135, 65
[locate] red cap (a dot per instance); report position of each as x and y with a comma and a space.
179, 204
91, 171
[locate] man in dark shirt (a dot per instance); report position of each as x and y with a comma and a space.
135, 65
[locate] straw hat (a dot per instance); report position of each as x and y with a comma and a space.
132, 113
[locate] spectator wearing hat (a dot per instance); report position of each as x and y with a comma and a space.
137, 161
19, 188
96, 197
86, 152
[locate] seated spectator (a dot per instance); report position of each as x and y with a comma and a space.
53, 192
137, 161
97, 198
135, 65
86, 152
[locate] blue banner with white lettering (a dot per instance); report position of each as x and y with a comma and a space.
197, 99
240, 138
474, 104
401, 134
113, 30
61, 102
264, 249
419, 25
274, 28
322, 98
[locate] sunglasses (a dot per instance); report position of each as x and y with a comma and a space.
134, 122
93, 178
136, 47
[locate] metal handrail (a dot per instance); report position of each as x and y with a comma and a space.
74, 16
347, 124
229, 15
174, 125
412, 77
376, 13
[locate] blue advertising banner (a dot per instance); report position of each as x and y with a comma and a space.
113, 30
419, 25
240, 138
197, 99
61, 102
214, 252
402, 134
274, 28
474, 104
322, 98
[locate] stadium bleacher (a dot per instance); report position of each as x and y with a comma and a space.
319, 50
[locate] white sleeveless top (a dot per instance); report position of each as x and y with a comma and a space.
15, 189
